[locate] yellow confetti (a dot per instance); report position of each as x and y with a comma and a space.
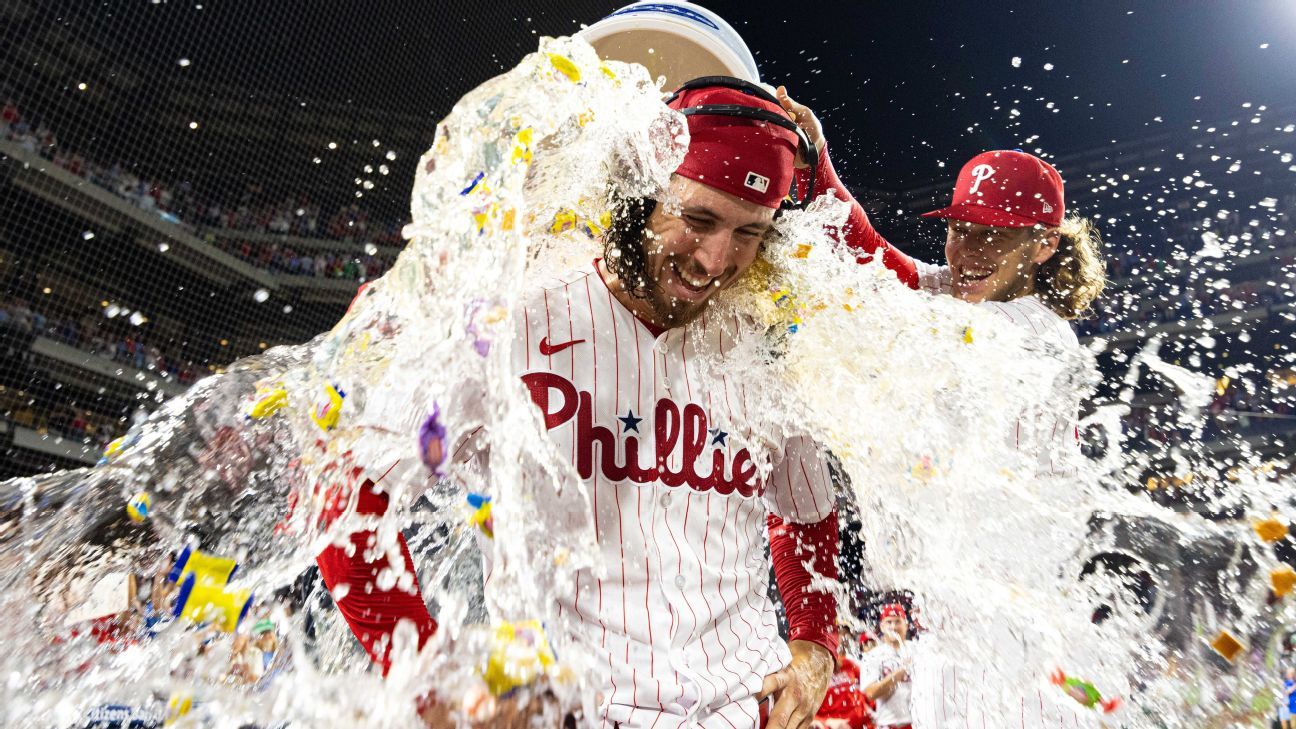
565, 67
1271, 529
607, 71
481, 518
563, 220
519, 655
1226, 645
967, 335
1221, 385
802, 250
328, 410
522, 150
924, 469
585, 117
1283, 580
178, 705
139, 507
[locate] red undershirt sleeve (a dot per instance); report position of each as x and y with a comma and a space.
858, 232
371, 612
811, 613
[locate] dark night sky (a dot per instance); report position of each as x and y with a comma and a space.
905, 86
901, 86
907, 91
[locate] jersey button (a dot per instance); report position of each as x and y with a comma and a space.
665, 500
679, 581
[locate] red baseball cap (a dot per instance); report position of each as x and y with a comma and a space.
891, 609
1006, 189
747, 158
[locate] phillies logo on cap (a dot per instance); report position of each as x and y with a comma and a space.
1026, 191
980, 174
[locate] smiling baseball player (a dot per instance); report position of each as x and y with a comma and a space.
1010, 247
609, 354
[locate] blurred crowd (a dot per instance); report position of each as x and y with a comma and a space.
113, 340
98, 335
1165, 290
179, 203
81, 425
1265, 405
282, 258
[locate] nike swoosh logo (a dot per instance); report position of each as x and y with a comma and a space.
550, 350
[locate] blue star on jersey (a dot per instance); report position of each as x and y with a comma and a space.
717, 436
629, 423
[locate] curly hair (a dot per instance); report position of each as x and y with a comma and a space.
624, 251
1070, 280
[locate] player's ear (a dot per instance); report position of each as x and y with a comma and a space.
1048, 241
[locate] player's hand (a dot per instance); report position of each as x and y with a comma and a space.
799, 689
804, 118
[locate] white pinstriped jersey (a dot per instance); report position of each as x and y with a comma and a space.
963, 704
1055, 440
951, 696
681, 615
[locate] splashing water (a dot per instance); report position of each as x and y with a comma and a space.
253, 464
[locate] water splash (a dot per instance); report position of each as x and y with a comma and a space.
912, 393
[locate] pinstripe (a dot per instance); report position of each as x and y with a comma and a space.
719, 628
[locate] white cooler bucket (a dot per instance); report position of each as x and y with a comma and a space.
675, 39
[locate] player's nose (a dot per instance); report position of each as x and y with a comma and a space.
714, 253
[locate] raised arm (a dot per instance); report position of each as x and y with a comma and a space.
858, 232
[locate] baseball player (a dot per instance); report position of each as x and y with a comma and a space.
1010, 248
608, 353
885, 671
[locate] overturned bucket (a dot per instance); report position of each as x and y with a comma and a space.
678, 40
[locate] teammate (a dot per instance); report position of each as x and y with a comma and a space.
608, 352
885, 672
1009, 247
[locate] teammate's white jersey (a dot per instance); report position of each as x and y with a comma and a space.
877, 664
681, 615
1054, 439
948, 695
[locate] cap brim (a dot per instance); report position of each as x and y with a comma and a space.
983, 216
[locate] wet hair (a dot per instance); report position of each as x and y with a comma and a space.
624, 251
1070, 280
